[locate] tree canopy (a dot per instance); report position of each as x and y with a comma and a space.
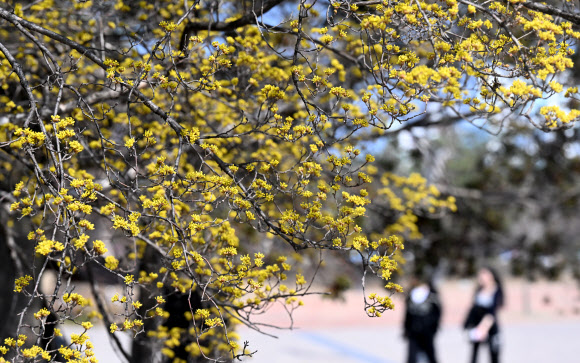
196, 151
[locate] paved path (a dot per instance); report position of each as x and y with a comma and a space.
540, 324
544, 342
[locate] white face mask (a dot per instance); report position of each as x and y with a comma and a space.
419, 294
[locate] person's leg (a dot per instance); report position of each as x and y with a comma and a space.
494, 348
413, 351
429, 348
475, 347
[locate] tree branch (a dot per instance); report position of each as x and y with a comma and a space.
227, 26
550, 10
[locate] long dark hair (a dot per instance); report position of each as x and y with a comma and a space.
499, 295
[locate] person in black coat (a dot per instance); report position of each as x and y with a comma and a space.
481, 322
422, 317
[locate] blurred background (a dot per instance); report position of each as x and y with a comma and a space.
540, 323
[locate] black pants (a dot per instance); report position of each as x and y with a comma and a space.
493, 343
421, 344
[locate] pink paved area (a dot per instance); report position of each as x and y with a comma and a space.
525, 301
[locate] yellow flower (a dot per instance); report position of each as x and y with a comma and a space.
111, 262
87, 325
129, 279
130, 142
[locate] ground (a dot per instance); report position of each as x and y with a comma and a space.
540, 323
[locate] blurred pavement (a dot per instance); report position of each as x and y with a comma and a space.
545, 342
540, 324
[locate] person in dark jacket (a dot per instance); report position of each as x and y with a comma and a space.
481, 322
422, 316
